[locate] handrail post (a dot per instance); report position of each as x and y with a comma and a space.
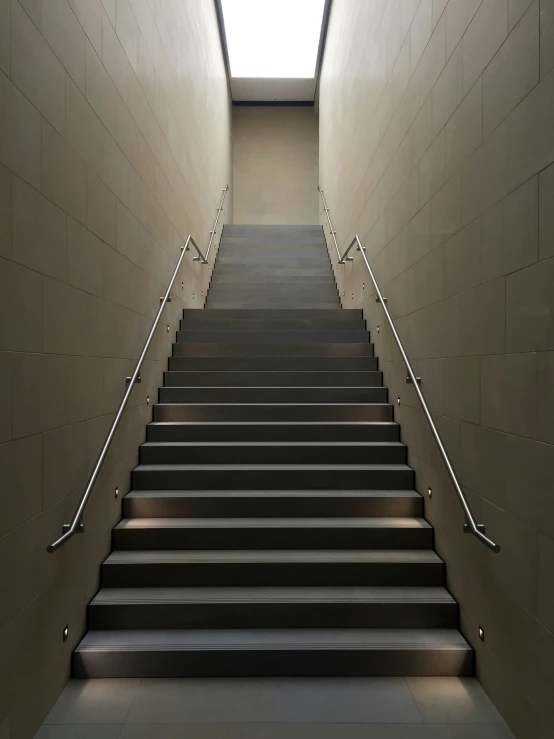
76, 526
471, 526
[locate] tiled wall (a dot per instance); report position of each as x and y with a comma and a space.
275, 164
114, 145
437, 143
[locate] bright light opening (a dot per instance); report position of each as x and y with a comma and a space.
273, 38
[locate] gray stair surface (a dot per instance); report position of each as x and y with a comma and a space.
272, 527
290, 652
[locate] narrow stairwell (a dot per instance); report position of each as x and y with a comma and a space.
273, 527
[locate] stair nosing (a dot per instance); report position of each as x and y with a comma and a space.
274, 595
397, 523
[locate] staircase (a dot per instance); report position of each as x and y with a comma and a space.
272, 527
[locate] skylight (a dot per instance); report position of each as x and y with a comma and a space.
273, 38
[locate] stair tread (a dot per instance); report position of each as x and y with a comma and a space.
276, 639
177, 556
341, 494
279, 405
280, 523
257, 388
269, 467
277, 313
275, 444
276, 594
371, 424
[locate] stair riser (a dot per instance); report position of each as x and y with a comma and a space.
284, 314
298, 538
281, 663
253, 254
265, 575
268, 364
278, 412
303, 273
286, 432
320, 615
280, 250
269, 506
276, 479
257, 256
252, 454
302, 278
264, 245
213, 336
273, 379
206, 323
272, 299
273, 395
272, 350
274, 302
313, 291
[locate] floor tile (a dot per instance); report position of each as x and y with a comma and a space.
81, 731
94, 702
350, 731
452, 701
201, 701
197, 731
378, 700
276, 731
468, 731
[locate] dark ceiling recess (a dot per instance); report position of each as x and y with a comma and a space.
273, 91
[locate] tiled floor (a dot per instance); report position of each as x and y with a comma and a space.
393, 708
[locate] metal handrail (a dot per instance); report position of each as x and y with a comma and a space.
214, 229
471, 526
76, 526
331, 229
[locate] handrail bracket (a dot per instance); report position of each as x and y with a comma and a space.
480, 527
79, 529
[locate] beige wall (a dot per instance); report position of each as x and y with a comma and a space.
114, 145
275, 164
437, 143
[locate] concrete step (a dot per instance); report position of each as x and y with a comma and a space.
267, 652
265, 302
302, 394
361, 349
273, 608
270, 284
175, 568
260, 431
260, 293
308, 258
272, 452
283, 314
305, 336
304, 278
272, 533
273, 412
272, 379
271, 503
283, 363
205, 322
273, 477
278, 314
